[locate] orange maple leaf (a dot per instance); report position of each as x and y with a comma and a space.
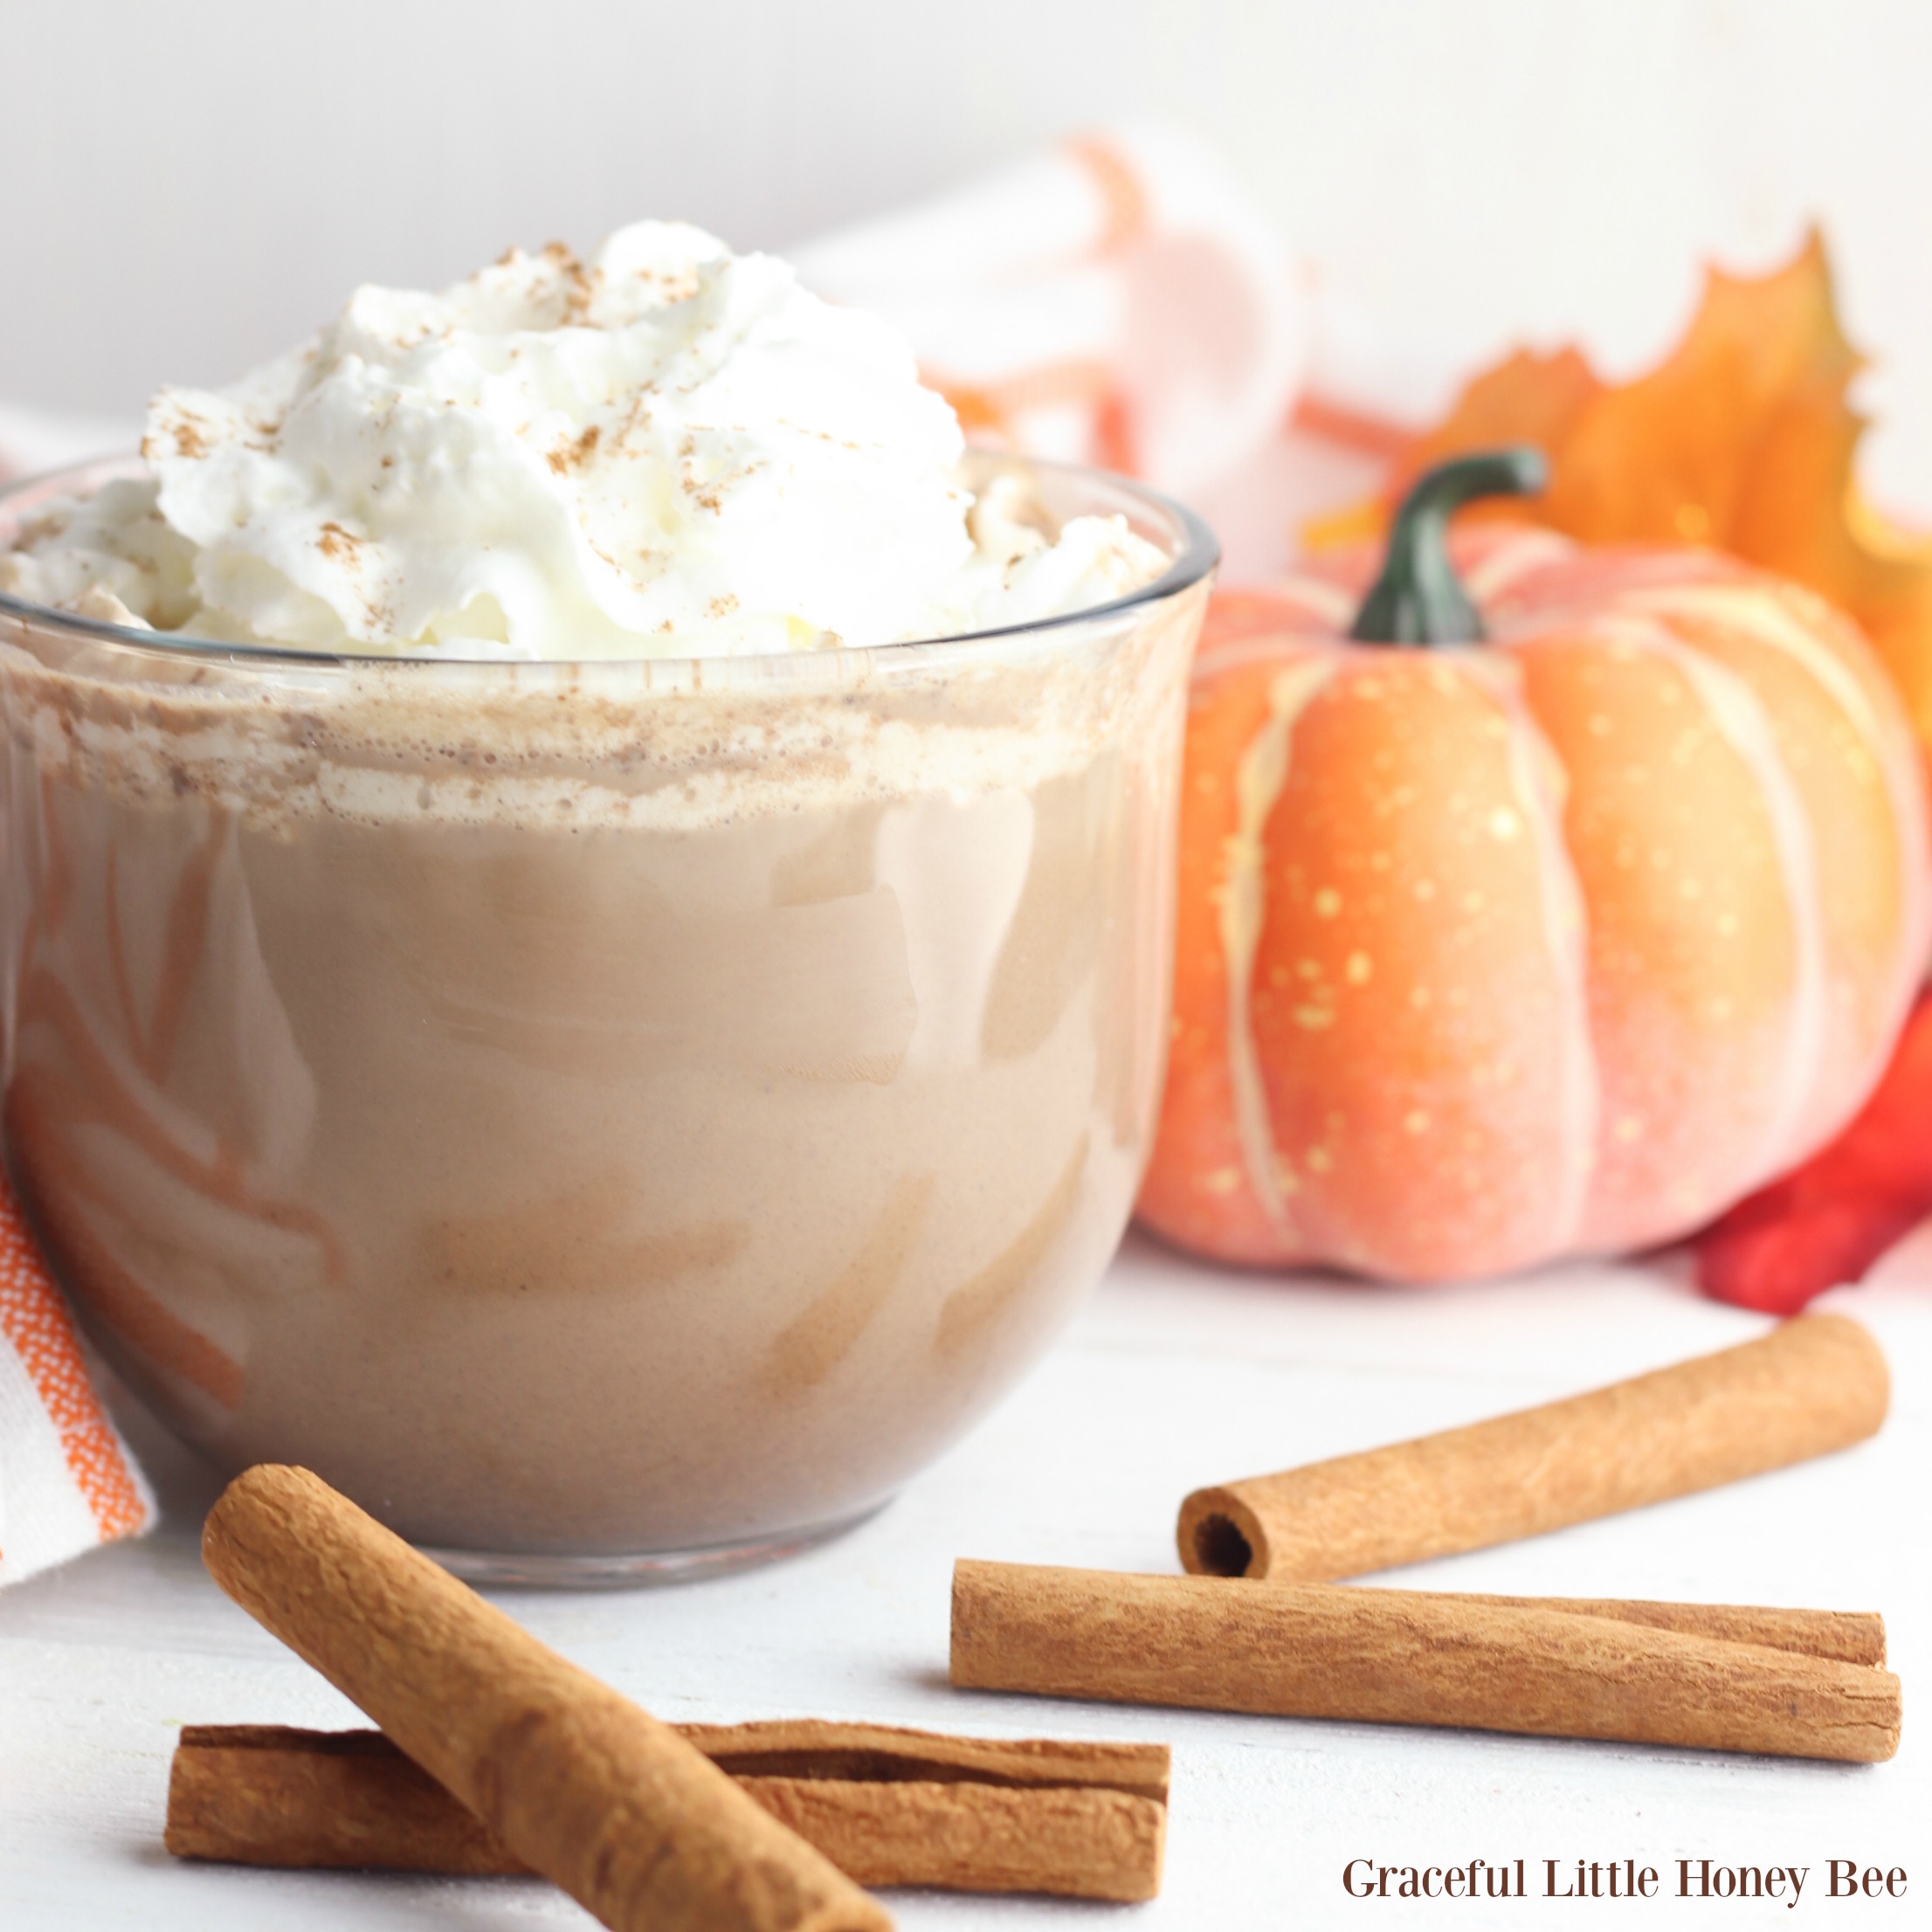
1742, 438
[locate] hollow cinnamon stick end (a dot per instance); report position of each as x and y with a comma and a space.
1219, 1535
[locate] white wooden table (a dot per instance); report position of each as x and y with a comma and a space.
1173, 1377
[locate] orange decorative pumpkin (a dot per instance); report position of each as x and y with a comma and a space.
1557, 942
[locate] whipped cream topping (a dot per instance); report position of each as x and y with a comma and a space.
666, 450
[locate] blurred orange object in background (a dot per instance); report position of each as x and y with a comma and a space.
1743, 438
1489, 954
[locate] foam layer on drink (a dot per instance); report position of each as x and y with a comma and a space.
617, 745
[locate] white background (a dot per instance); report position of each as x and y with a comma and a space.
185, 189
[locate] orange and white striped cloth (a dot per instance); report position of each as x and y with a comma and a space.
1119, 300
1123, 299
67, 1482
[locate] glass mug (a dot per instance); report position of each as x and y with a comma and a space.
609, 1119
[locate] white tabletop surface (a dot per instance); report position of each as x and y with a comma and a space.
1172, 1377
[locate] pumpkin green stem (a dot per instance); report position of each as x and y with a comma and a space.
1418, 598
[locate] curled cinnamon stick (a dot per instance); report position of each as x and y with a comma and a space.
1812, 1385
1405, 1657
578, 1782
887, 1806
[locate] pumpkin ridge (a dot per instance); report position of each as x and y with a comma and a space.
1738, 717
1499, 570
1742, 605
1894, 747
1260, 774
1541, 785
1778, 625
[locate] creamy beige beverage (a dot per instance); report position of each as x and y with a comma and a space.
588, 1120
594, 1108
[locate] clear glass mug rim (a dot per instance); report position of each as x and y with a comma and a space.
1196, 552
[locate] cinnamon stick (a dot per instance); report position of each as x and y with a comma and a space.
269, 1794
1405, 1657
887, 1806
1812, 1385
1851, 1636
581, 1785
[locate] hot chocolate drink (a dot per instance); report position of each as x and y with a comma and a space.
608, 1106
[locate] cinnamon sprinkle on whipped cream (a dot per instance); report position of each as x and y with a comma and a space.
666, 450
